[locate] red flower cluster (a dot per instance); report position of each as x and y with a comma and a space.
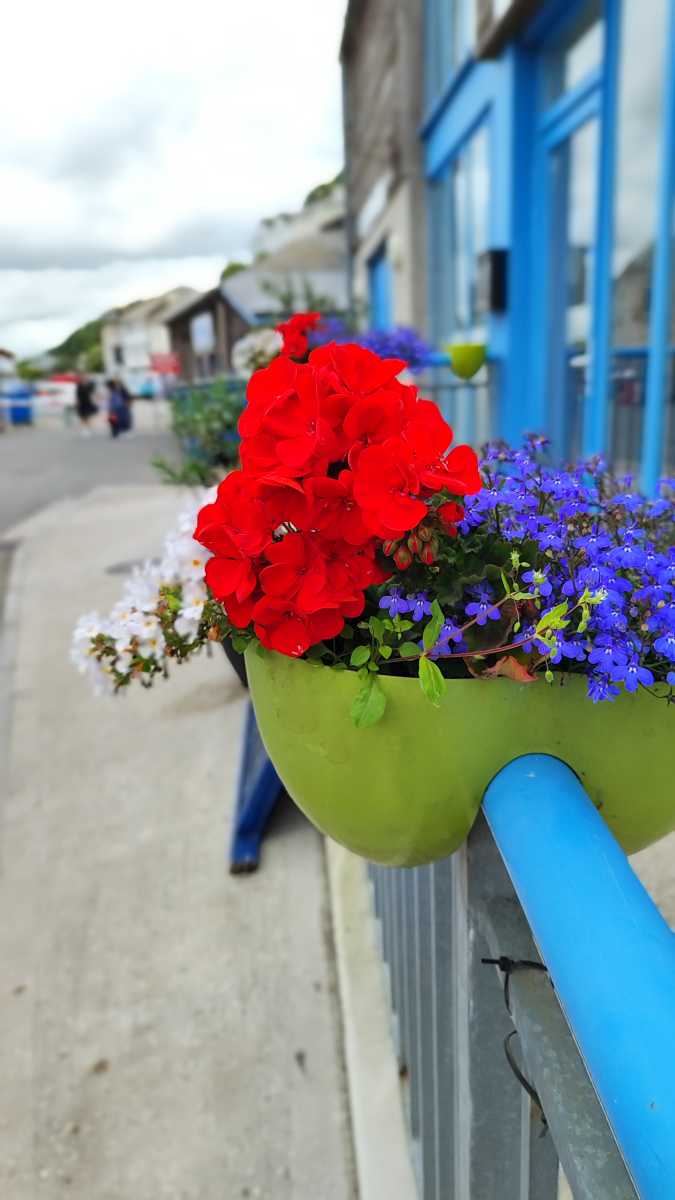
294, 333
338, 458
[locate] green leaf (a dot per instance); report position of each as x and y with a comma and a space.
466, 359
360, 655
369, 705
377, 628
402, 626
240, 642
553, 619
385, 652
409, 650
431, 681
432, 629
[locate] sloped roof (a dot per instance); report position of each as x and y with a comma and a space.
157, 308
201, 298
317, 260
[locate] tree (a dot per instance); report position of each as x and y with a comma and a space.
93, 359
231, 268
67, 354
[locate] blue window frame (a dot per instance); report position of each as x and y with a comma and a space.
450, 37
379, 289
554, 103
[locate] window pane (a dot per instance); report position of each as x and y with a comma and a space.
469, 225
640, 118
463, 29
459, 213
573, 208
669, 440
574, 54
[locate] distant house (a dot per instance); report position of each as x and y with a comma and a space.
202, 333
7, 362
309, 272
323, 210
134, 338
382, 71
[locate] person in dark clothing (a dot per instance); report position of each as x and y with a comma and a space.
118, 409
127, 398
84, 402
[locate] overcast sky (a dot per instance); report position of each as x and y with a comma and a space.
142, 141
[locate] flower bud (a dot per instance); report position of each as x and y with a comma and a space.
389, 548
414, 544
403, 557
424, 533
428, 553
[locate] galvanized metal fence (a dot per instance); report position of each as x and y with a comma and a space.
495, 1086
468, 405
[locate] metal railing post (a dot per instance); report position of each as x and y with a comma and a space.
609, 953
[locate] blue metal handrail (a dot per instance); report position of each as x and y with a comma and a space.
609, 953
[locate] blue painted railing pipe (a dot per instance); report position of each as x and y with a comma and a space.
609, 953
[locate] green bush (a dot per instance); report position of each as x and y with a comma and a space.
204, 420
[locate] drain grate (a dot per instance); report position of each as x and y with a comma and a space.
125, 568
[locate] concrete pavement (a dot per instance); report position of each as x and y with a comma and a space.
52, 461
166, 1030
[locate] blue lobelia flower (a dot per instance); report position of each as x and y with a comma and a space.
419, 605
395, 603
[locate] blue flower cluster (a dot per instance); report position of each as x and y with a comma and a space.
577, 545
589, 534
416, 604
399, 342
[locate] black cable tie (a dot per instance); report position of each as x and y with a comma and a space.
507, 966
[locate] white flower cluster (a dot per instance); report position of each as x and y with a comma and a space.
255, 350
109, 650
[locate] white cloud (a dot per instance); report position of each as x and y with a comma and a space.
153, 131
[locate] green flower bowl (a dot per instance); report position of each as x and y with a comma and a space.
407, 790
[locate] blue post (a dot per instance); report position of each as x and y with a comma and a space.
596, 425
610, 954
659, 320
258, 790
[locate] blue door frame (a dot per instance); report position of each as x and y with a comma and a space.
481, 96
379, 289
503, 93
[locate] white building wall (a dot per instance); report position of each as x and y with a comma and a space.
393, 223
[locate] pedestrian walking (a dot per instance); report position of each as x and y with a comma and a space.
84, 403
118, 408
128, 401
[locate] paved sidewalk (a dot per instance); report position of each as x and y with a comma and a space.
166, 1030
51, 461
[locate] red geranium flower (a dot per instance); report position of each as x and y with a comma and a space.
282, 627
386, 485
333, 510
294, 333
359, 370
457, 472
296, 572
295, 437
267, 388
339, 459
230, 575
238, 514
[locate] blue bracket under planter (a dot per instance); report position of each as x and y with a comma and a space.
258, 790
609, 953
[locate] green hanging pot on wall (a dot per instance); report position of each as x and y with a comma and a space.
406, 791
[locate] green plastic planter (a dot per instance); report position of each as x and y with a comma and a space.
406, 791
